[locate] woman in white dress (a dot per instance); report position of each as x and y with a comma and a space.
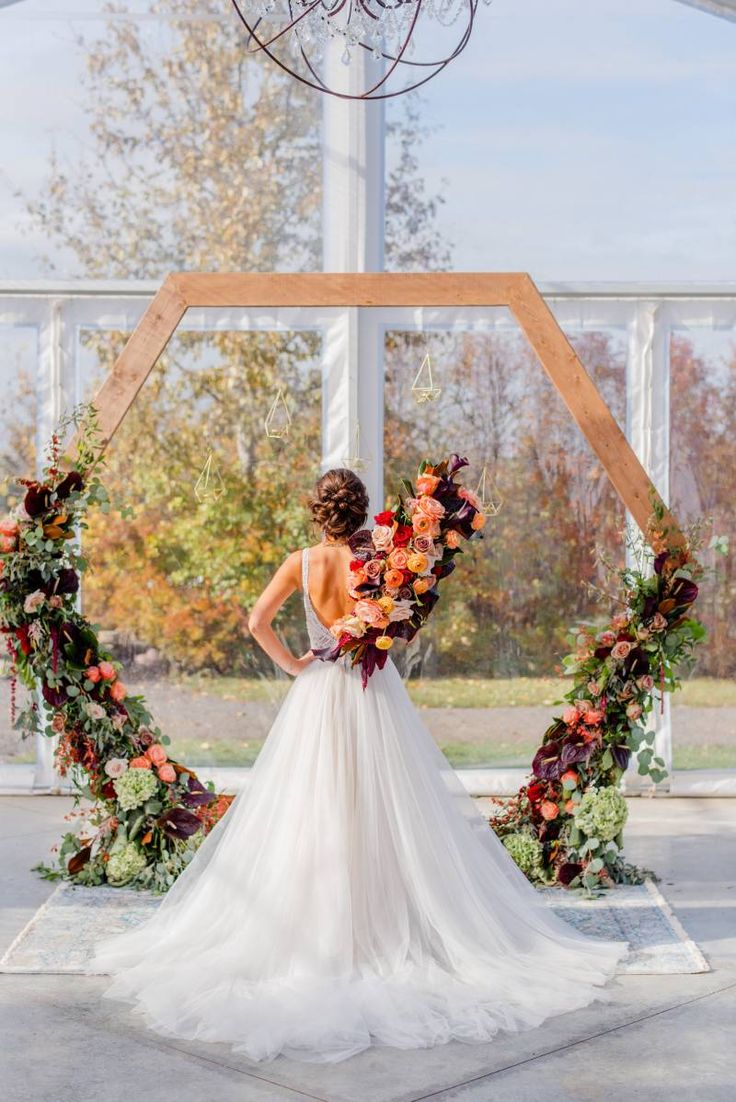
352, 894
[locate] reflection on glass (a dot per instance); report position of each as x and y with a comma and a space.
172, 585
702, 480
485, 667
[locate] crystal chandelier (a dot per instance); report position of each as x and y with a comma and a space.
303, 37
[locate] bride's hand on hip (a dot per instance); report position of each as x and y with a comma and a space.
302, 663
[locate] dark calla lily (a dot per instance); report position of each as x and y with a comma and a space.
456, 463
547, 764
53, 697
68, 485
683, 591
361, 543
37, 500
179, 823
636, 662
575, 749
65, 582
197, 795
620, 754
567, 872
659, 562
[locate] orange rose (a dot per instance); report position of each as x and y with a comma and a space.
157, 754
393, 579
139, 763
452, 539
549, 810
427, 483
570, 807
9, 527
107, 670
417, 562
7, 544
421, 585
422, 524
167, 774
118, 692
478, 521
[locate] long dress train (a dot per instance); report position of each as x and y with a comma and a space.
352, 895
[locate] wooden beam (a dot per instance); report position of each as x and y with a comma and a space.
583, 399
137, 359
337, 289
453, 289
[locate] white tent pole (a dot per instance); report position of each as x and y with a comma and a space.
353, 241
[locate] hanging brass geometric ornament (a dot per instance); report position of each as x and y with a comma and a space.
278, 418
356, 461
488, 494
423, 387
209, 486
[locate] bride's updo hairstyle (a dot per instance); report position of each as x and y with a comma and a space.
339, 503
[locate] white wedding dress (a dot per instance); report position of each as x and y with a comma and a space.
351, 895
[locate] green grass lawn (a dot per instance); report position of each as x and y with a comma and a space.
466, 692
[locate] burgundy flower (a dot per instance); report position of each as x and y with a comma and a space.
683, 591
197, 795
54, 697
456, 463
73, 481
575, 749
179, 823
546, 762
37, 499
567, 872
660, 561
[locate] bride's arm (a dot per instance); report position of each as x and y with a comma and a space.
282, 584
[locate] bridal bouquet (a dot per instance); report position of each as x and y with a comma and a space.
398, 564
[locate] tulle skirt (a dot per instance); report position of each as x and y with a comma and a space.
352, 895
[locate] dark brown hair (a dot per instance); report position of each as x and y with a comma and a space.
339, 503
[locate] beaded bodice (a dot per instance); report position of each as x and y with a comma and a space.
319, 636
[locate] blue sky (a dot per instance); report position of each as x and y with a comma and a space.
576, 140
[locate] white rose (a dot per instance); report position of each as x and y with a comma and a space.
382, 536
115, 767
34, 601
402, 610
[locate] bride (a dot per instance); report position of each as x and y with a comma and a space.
353, 894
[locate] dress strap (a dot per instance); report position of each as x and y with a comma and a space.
305, 571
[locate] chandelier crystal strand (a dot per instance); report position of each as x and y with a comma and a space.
296, 35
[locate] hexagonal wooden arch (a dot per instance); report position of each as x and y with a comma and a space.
516, 290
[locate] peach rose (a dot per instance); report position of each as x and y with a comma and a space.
167, 774
633, 711
34, 601
427, 483
393, 579
570, 807
570, 775
348, 625
645, 682
594, 688
478, 522
57, 723
156, 754
382, 536
370, 612
92, 674
421, 585
621, 649
549, 810
570, 715
397, 558
452, 539
593, 716
107, 670
139, 763
620, 620
607, 638
417, 563
469, 496
402, 610
9, 527
431, 507
7, 543
118, 692
658, 622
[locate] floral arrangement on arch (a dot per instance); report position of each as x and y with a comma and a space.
565, 826
399, 563
150, 812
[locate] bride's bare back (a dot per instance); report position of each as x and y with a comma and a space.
328, 581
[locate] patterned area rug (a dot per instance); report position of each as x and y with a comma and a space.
60, 935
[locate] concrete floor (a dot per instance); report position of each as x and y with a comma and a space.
660, 1038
